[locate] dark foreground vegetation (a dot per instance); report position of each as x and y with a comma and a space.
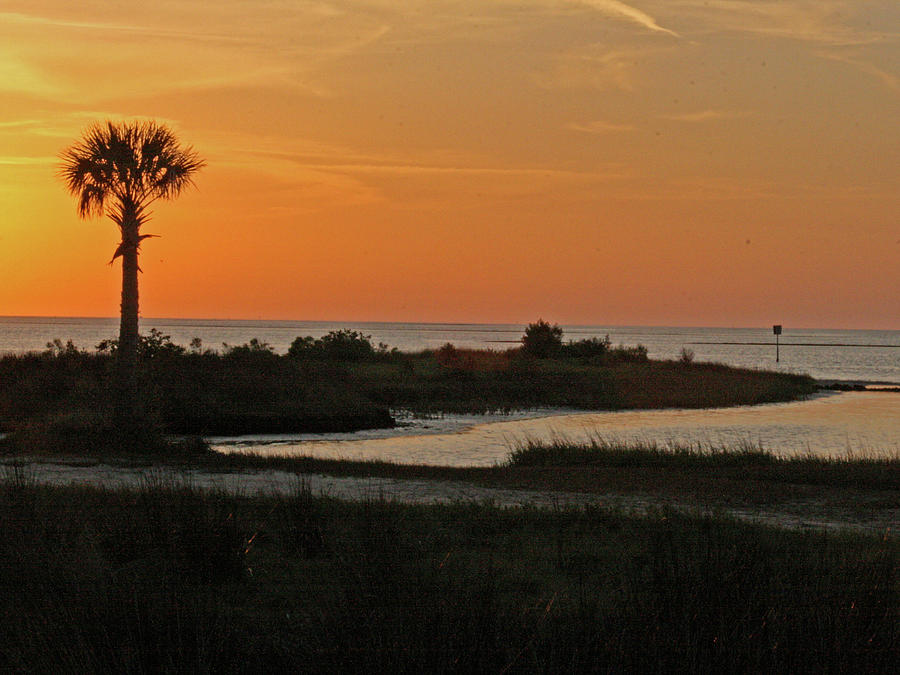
166, 578
854, 489
341, 382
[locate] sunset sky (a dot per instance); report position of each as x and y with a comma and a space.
653, 162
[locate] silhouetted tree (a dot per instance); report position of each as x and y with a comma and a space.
542, 340
119, 170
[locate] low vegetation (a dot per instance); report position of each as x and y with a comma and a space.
714, 476
341, 382
598, 451
166, 578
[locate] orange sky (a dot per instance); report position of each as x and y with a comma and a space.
713, 162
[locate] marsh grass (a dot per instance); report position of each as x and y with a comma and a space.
105, 581
562, 451
858, 471
165, 578
601, 465
249, 389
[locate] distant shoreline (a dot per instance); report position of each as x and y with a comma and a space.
859, 385
831, 355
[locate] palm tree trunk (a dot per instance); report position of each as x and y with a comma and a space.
128, 328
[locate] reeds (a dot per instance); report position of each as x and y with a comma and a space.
164, 578
599, 451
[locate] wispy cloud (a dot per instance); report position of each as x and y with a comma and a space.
822, 21
624, 11
600, 127
216, 48
706, 116
11, 18
889, 80
67, 125
538, 172
26, 161
373, 166
19, 124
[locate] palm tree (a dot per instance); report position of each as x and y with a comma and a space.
119, 170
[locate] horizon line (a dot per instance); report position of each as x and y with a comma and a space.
432, 323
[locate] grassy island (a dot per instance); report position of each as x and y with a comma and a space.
342, 383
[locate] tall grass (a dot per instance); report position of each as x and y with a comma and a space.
706, 466
100, 581
164, 578
599, 451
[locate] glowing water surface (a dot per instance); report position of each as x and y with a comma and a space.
826, 425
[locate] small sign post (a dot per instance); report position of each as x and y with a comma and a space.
777, 330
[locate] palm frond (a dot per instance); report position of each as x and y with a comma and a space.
124, 246
120, 168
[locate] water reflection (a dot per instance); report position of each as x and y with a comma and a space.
827, 425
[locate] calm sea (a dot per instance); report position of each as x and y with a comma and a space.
858, 355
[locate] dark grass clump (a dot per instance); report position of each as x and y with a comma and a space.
85, 432
100, 434
601, 452
165, 578
854, 471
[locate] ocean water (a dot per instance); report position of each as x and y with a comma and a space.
828, 425
852, 355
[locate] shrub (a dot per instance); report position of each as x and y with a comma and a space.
347, 345
687, 356
338, 345
588, 348
253, 348
386, 351
542, 340
56, 348
303, 348
197, 347
153, 345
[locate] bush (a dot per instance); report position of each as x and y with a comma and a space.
153, 345
338, 345
542, 340
57, 349
347, 345
306, 347
251, 349
585, 349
